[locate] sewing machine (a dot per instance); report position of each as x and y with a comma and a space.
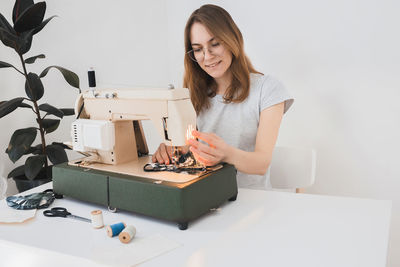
110, 135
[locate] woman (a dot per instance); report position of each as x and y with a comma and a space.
239, 110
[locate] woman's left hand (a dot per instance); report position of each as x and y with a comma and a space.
212, 153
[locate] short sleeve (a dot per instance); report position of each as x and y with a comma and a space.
274, 92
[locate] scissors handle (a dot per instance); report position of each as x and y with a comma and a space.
56, 212
154, 167
62, 212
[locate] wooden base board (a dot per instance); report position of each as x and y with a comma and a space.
135, 168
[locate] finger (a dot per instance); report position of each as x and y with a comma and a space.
170, 151
185, 149
206, 137
153, 158
158, 157
193, 143
164, 154
203, 155
214, 137
203, 147
202, 160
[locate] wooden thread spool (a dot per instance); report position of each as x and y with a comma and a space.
127, 234
97, 219
115, 229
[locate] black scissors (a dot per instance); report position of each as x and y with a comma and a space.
156, 167
62, 212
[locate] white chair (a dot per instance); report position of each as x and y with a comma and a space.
293, 168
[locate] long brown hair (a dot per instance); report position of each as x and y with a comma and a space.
201, 85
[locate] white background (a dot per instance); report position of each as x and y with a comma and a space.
339, 59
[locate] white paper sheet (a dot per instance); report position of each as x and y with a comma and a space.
10, 215
114, 253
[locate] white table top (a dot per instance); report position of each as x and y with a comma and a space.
261, 228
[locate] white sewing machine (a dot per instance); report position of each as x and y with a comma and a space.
110, 132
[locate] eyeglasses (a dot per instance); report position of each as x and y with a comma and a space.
198, 54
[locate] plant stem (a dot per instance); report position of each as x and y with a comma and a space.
18, 70
37, 112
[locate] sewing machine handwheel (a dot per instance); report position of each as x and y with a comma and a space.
183, 226
233, 198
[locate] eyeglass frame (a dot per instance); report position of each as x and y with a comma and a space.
204, 52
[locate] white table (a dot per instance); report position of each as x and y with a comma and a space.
262, 228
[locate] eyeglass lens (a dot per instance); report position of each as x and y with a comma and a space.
198, 54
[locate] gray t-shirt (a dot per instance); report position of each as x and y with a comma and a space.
237, 123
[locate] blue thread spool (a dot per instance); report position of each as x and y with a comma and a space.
115, 229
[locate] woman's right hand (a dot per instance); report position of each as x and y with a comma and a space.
163, 154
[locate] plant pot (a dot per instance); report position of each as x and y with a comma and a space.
24, 183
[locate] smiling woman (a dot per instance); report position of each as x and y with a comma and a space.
239, 109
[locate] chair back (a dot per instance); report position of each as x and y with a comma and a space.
293, 167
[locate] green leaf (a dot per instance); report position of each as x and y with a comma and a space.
5, 65
51, 110
33, 59
24, 105
19, 7
31, 18
24, 42
20, 142
21, 43
5, 25
41, 26
34, 87
69, 76
35, 150
8, 65
20, 170
8, 36
68, 111
62, 145
33, 165
8, 39
7, 107
50, 125
56, 154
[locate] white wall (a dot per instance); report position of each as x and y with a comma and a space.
340, 59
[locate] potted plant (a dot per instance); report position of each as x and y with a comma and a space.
28, 20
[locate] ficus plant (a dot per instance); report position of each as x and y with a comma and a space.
28, 20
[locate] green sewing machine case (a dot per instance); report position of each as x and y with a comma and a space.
177, 202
